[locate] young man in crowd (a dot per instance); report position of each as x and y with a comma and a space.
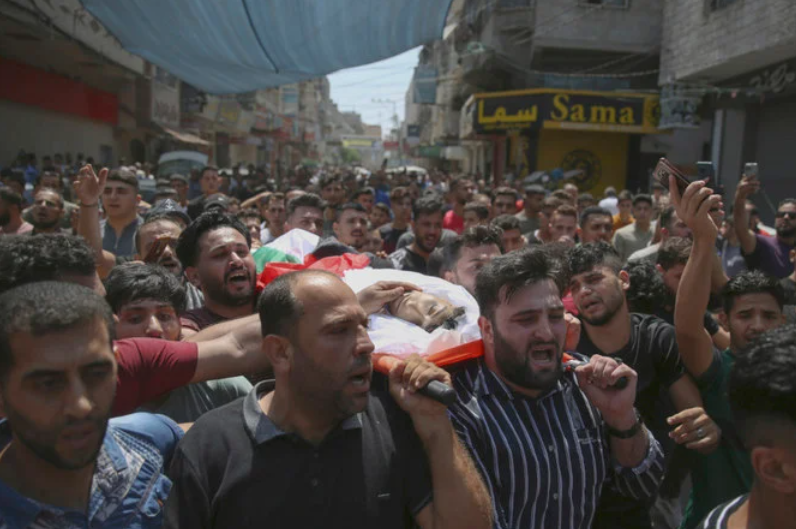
215, 255
504, 201
564, 225
51, 179
624, 206
401, 203
156, 244
275, 214
645, 343
379, 215
210, 184
545, 216
305, 212
585, 200
333, 193
511, 236
47, 211
771, 255
120, 201
609, 200
365, 197
461, 192
671, 226
729, 248
465, 256
11, 222
752, 305
375, 461
529, 217
179, 183
146, 301
762, 392
637, 235
595, 225
64, 462
475, 214
427, 228
351, 225
546, 441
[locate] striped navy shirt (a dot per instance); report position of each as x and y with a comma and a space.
719, 518
545, 460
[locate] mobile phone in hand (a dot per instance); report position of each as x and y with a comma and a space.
750, 170
157, 248
706, 171
666, 168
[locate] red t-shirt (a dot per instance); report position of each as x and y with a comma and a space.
149, 368
454, 222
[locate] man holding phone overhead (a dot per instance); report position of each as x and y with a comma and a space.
767, 254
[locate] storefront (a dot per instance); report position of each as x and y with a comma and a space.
590, 137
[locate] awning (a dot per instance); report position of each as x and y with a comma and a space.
185, 137
236, 46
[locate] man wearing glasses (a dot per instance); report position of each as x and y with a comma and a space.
767, 254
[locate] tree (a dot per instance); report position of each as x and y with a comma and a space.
349, 155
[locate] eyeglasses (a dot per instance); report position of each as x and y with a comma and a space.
791, 215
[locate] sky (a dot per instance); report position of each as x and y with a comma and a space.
356, 88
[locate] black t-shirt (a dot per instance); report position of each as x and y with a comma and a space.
236, 468
790, 290
405, 259
651, 352
709, 323
390, 236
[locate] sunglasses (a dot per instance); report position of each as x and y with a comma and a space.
790, 215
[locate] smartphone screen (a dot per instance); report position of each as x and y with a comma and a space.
662, 172
750, 170
705, 171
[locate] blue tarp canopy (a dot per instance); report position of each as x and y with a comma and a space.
231, 46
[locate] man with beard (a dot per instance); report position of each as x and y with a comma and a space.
47, 211
427, 228
648, 345
11, 222
546, 441
316, 447
351, 225
210, 183
461, 192
752, 305
156, 243
63, 462
215, 253
770, 255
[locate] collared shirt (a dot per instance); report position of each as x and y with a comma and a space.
123, 245
237, 468
545, 460
128, 489
719, 518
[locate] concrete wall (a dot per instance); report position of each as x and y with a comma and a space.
572, 24
44, 132
699, 44
776, 137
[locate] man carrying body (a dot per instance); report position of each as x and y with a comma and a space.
637, 235
767, 254
11, 222
752, 305
461, 192
465, 256
427, 228
63, 462
546, 441
315, 447
215, 254
762, 393
532, 206
595, 225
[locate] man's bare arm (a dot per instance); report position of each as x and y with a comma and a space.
229, 349
746, 237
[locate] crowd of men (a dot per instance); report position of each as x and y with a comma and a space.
148, 380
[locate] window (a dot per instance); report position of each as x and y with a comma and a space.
715, 5
622, 4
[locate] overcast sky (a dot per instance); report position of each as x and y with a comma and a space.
356, 88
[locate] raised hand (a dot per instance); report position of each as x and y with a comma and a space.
379, 294
695, 429
693, 208
88, 186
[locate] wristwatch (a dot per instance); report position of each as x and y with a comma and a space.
630, 432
